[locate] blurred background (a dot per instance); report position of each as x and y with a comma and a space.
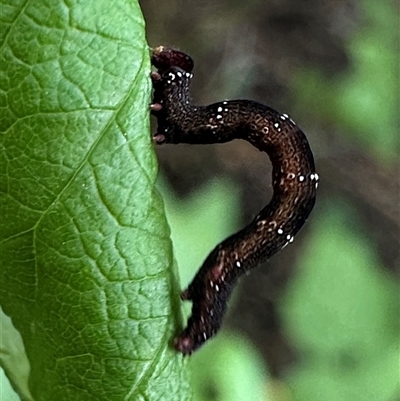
319, 320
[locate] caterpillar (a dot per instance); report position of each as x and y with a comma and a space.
294, 182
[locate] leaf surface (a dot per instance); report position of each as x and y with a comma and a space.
86, 261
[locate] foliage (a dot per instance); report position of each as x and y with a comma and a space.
364, 100
226, 368
229, 369
341, 309
84, 241
199, 222
341, 313
87, 273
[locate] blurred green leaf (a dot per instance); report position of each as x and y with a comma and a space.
341, 311
228, 369
7, 393
325, 378
363, 101
14, 360
199, 222
84, 241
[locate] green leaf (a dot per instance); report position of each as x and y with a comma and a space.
86, 262
229, 369
199, 222
13, 359
341, 311
226, 368
363, 101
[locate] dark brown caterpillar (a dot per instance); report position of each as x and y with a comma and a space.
293, 176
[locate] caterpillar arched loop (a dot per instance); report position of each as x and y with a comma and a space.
294, 183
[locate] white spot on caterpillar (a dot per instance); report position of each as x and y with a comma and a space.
226, 110
301, 178
219, 116
283, 117
276, 125
280, 231
217, 287
211, 284
291, 239
172, 76
224, 102
288, 237
238, 264
219, 109
211, 126
204, 336
168, 82
179, 74
265, 130
273, 224
290, 176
